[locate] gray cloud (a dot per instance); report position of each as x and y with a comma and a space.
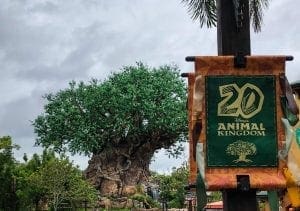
46, 44
279, 35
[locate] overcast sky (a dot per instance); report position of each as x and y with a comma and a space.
44, 44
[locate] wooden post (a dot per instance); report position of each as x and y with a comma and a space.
234, 38
236, 200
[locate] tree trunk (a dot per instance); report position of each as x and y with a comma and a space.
116, 173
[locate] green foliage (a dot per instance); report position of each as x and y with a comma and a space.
215, 196
139, 103
172, 186
256, 8
139, 188
7, 176
147, 201
41, 177
206, 12
29, 192
203, 10
60, 181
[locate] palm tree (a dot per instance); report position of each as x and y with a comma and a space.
233, 20
206, 11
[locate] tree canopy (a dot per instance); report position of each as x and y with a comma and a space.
62, 182
7, 176
120, 121
172, 186
135, 106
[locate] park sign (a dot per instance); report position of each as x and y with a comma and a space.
241, 120
235, 126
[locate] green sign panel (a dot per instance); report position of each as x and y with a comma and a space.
241, 121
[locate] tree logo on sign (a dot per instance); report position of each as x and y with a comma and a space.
245, 102
241, 149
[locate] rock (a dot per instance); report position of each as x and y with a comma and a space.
119, 203
105, 202
110, 187
129, 190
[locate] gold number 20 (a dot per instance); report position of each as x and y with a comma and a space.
246, 101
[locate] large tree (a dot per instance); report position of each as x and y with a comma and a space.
121, 122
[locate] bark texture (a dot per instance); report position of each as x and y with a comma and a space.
116, 172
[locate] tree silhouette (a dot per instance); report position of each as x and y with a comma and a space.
241, 149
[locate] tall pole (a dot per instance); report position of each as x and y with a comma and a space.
233, 34
233, 27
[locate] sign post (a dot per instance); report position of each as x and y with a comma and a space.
234, 104
235, 122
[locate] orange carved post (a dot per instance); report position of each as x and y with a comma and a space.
235, 128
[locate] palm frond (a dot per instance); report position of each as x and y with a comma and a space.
202, 10
256, 8
205, 11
